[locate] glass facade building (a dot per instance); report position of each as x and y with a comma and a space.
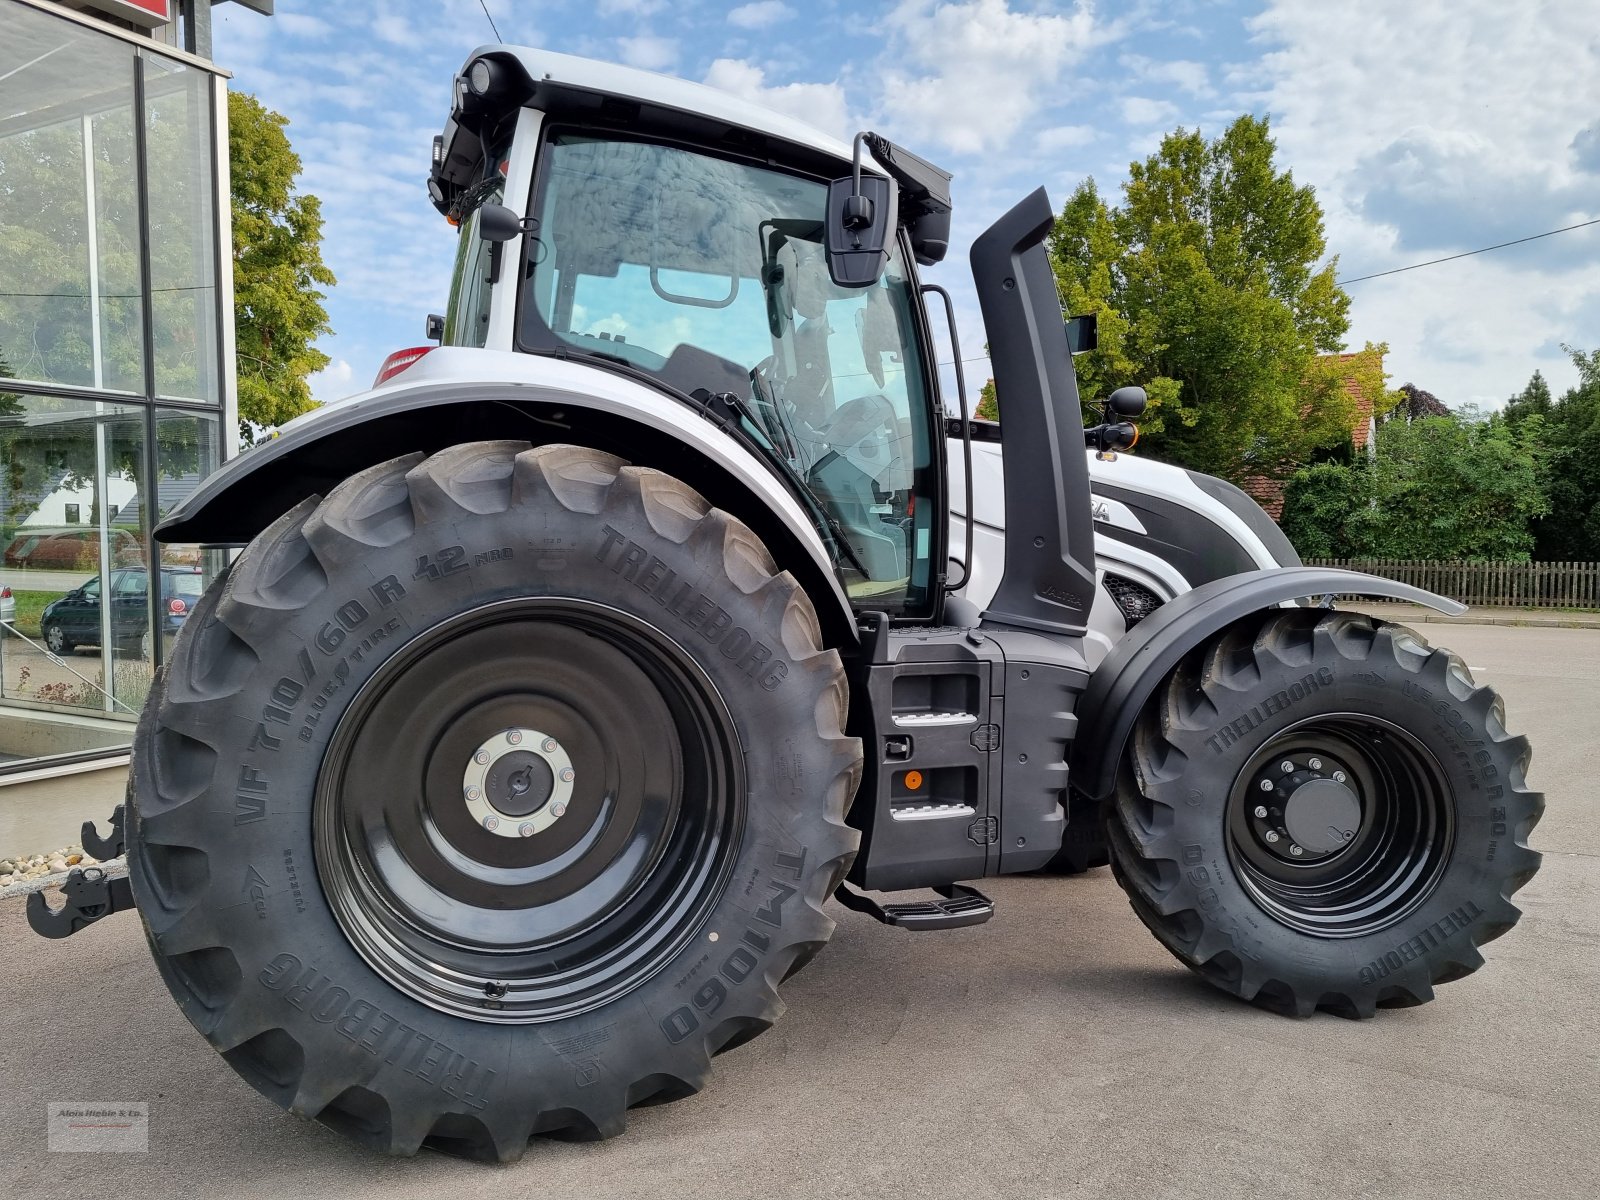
115, 367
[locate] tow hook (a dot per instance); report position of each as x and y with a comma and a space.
90, 895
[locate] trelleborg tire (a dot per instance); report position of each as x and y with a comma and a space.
1320, 811
490, 796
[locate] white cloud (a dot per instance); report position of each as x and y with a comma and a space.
760, 14
300, 25
649, 52
1184, 74
629, 8
818, 104
333, 382
1141, 110
986, 70
1063, 137
1468, 145
394, 28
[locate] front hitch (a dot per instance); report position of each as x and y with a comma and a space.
90, 894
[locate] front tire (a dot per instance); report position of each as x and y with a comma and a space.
1322, 812
490, 797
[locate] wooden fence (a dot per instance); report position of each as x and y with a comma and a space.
1514, 584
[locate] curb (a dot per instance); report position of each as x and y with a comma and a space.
1427, 616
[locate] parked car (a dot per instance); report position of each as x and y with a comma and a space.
8, 606
74, 620
75, 547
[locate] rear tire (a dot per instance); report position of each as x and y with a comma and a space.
1382, 756
368, 948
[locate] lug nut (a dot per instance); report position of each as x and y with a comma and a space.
491, 823
1266, 785
549, 745
1286, 766
473, 793
567, 775
481, 757
1315, 764
1261, 811
1271, 835
559, 808
526, 829
1295, 850
1338, 776
514, 737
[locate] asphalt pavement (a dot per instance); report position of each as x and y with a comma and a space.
1056, 1051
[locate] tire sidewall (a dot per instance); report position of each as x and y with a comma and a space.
1476, 770
299, 971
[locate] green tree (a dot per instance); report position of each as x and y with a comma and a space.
1457, 487
988, 404
1318, 506
277, 251
1535, 398
1570, 532
1207, 292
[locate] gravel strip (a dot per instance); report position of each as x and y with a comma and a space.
35, 872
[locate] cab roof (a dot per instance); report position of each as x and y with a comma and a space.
545, 68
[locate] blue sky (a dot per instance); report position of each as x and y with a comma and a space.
1428, 128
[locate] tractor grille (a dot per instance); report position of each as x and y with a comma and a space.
1135, 601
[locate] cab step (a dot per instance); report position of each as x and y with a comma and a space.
956, 905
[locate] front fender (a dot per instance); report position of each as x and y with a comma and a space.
1138, 663
570, 402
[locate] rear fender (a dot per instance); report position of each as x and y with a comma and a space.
572, 403
1129, 675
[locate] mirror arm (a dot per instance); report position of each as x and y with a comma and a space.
858, 209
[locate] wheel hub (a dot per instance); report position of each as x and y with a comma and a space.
518, 783
529, 809
1340, 824
1322, 816
1306, 810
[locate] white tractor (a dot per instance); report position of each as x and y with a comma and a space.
564, 678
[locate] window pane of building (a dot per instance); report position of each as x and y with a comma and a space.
70, 309
187, 450
182, 194
72, 669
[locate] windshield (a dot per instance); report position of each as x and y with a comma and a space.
710, 274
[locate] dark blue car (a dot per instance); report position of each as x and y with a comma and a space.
74, 620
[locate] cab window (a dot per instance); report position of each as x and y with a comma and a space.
710, 274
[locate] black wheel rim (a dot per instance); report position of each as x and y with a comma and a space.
508, 928
1354, 831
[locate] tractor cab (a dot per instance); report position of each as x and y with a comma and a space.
693, 254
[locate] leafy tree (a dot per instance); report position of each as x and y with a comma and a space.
1570, 532
1416, 403
277, 239
988, 404
1206, 289
1318, 506
1457, 487
1535, 398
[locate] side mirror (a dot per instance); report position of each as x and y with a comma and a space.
435, 327
497, 223
859, 225
1127, 401
1083, 334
